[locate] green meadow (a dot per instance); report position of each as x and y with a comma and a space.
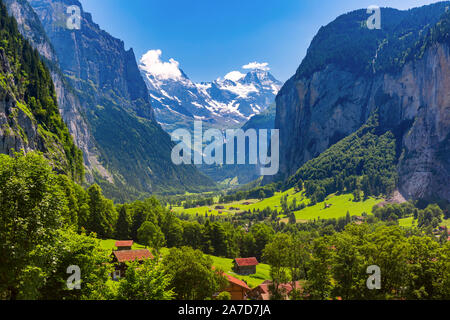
262, 270
339, 206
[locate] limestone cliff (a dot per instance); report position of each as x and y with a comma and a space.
403, 71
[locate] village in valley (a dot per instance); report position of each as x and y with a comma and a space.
238, 289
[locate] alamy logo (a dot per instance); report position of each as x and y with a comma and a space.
74, 281
74, 19
374, 281
233, 143
374, 21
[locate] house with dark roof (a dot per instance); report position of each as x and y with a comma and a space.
121, 257
245, 266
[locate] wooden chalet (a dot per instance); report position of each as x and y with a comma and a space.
124, 245
245, 266
121, 257
238, 289
262, 292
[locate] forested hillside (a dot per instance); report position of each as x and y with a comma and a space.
29, 113
365, 160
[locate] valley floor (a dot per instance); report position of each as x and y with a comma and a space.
226, 265
335, 206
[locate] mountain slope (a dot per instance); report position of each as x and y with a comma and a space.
107, 82
349, 72
70, 108
223, 103
29, 115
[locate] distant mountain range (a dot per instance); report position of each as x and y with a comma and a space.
227, 102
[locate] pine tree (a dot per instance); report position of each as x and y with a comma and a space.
138, 220
123, 225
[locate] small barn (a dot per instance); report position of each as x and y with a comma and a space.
262, 292
238, 289
245, 266
121, 257
124, 245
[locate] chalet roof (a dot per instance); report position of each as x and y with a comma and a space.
263, 289
237, 282
126, 243
245, 262
132, 255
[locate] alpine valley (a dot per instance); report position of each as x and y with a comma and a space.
89, 191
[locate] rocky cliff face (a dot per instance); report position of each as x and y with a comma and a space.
18, 128
29, 116
114, 98
318, 108
70, 108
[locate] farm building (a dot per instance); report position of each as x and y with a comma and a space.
245, 266
238, 289
262, 292
124, 245
121, 257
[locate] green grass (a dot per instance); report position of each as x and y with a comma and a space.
273, 202
340, 204
407, 222
262, 271
446, 223
410, 222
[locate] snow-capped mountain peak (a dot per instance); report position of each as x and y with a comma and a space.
227, 102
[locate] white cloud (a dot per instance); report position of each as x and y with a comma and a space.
234, 76
256, 65
151, 63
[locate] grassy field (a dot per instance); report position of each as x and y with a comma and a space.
410, 222
243, 205
262, 270
407, 222
340, 204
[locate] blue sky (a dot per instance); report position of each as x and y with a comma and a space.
210, 38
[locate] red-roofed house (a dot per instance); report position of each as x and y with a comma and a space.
238, 289
121, 257
245, 266
262, 292
124, 245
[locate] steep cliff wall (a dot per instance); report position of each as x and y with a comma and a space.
70, 108
406, 81
29, 115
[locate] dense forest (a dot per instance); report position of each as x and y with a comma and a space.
398, 41
364, 161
